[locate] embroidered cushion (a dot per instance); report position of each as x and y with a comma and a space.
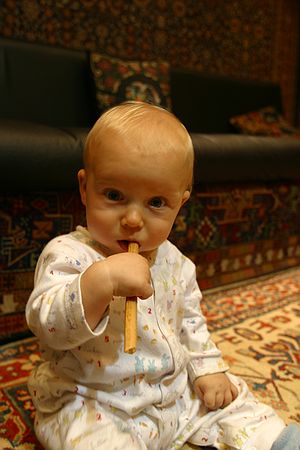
264, 122
117, 80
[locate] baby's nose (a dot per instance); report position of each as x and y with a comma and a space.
132, 218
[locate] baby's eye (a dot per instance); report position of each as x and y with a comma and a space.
113, 195
157, 202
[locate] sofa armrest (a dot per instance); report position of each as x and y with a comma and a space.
39, 157
228, 157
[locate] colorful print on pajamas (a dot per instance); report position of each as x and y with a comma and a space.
90, 394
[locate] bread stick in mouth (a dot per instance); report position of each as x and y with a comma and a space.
130, 326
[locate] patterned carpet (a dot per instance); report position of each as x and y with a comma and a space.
257, 328
256, 325
232, 232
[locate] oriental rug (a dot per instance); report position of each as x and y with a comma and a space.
256, 324
231, 233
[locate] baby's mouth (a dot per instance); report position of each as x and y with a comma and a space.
124, 244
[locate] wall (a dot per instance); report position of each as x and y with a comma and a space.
255, 39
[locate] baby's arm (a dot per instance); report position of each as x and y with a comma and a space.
124, 275
215, 390
206, 368
63, 311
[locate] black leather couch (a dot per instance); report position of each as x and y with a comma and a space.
205, 103
48, 104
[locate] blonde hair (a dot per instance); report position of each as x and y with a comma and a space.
148, 122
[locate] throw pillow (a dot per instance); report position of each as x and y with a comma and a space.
117, 80
264, 122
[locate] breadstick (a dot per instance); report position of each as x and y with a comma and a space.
130, 329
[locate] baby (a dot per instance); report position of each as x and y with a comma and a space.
88, 393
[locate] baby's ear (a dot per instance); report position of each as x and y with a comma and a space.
82, 185
185, 197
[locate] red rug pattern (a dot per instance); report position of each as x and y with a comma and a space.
232, 233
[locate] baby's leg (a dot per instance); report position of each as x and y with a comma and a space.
249, 423
243, 425
260, 422
289, 439
83, 424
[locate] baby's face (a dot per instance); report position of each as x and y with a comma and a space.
132, 195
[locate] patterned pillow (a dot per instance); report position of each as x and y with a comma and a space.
264, 122
118, 80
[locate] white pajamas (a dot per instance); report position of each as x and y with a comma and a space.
90, 394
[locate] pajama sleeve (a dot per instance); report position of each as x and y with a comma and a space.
54, 311
205, 358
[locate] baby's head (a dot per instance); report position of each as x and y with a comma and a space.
138, 163
150, 131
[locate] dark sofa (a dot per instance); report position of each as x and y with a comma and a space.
48, 104
246, 194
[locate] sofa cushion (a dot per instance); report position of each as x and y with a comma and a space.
205, 102
39, 157
45, 84
263, 122
240, 158
117, 80
34, 156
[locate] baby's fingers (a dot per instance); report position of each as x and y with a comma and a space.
230, 395
219, 399
234, 391
146, 291
212, 400
228, 398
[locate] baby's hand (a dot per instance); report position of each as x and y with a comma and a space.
129, 275
123, 274
215, 390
